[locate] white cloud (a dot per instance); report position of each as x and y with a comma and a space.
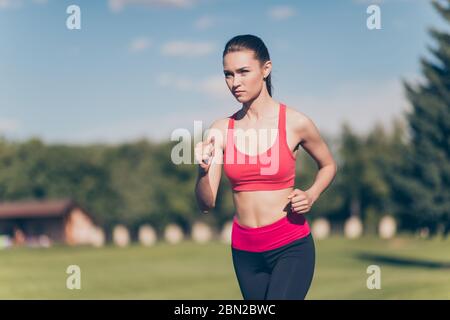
214, 85
118, 5
158, 127
360, 104
281, 12
368, 2
16, 4
9, 125
140, 44
10, 4
125, 130
204, 22
175, 81
187, 49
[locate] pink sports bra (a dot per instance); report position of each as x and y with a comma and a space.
271, 170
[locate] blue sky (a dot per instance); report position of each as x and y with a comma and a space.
142, 68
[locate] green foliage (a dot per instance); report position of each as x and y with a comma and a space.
138, 182
422, 181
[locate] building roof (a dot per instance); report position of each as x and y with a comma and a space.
35, 208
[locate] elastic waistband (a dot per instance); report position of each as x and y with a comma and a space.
281, 232
265, 228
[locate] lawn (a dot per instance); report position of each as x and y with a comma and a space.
410, 269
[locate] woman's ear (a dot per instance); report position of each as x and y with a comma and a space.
267, 68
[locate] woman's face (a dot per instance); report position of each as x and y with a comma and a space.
244, 74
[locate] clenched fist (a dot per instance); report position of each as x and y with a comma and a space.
204, 153
301, 201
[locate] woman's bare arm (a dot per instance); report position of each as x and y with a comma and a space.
313, 143
208, 179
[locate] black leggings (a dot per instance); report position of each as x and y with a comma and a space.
284, 273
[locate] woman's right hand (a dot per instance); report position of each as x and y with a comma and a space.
204, 153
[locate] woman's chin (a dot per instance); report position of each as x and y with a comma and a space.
241, 99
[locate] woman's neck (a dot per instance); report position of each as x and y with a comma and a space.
259, 108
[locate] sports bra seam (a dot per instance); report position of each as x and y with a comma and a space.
285, 136
277, 139
279, 136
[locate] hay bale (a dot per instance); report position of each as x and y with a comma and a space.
173, 234
5, 242
147, 235
225, 235
97, 238
121, 236
320, 228
424, 232
201, 232
387, 227
353, 228
44, 241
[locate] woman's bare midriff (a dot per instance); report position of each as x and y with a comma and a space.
260, 208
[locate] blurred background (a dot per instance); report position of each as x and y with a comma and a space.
87, 117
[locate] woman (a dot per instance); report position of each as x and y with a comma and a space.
272, 247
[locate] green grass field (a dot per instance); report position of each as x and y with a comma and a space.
410, 269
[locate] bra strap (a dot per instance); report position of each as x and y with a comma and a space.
282, 121
230, 141
231, 122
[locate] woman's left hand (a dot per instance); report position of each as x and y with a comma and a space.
301, 201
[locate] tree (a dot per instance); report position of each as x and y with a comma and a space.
423, 181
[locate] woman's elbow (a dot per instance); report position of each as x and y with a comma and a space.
335, 169
205, 207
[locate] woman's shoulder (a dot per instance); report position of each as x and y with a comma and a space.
219, 127
296, 120
221, 123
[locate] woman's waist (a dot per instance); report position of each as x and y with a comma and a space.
257, 208
284, 221
258, 218
284, 230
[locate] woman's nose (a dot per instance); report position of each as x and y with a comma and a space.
236, 81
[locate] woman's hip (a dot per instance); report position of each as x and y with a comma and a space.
282, 232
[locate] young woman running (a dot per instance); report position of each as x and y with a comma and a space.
272, 248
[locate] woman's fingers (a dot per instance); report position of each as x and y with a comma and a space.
211, 140
208, 153
202, 157
301, 202
204, 152
300, 210
300, 207
299, 197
